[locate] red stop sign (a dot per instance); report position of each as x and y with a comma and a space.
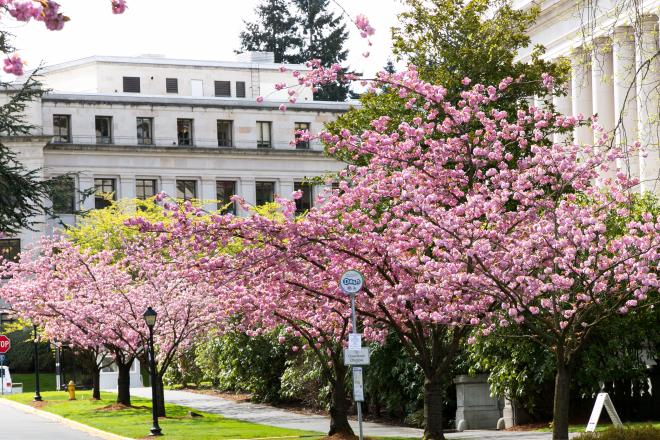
5, 344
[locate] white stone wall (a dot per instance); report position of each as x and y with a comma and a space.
612, 46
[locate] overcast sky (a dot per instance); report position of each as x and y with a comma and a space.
193, 29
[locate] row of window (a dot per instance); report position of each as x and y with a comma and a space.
64, 196
184, 128
222, 88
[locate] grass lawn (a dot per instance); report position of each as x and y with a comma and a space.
135, 422
46, 381
604, 426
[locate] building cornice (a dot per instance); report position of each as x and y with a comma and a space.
140, 150
208, 102
26, 138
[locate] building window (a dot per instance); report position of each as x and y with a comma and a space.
63, 195
132, 84
171, 85
306, 201
240, 89
225, 189
10, 248
301, 126
265, 192
62, 128
145, 131
103, 129
223, 88
186, 189
105, 192
263, 134
224, 133
184, 129
145, 188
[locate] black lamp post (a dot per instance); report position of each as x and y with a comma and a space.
150, 319
37, 388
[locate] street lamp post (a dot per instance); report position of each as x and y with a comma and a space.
37, 387
150, 319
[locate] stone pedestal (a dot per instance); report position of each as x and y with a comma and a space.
475, 408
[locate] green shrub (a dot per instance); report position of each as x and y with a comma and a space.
637, 433
21, 356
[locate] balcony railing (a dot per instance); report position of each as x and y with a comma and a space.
174, 142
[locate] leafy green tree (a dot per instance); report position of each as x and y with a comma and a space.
449, 40
274, 30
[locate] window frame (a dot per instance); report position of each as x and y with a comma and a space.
222, 201
302, 145
100, 202
68, 129
100, 139
154, 183
260, 133
127, 83
256, 191
6, 248
241, 91
184, 181
169, 82
73, 200
219, 86
141, 141
191, 134
299, 202
230, 122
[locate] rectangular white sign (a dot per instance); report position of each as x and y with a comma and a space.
354, 341
356, 357
358, 385
603, 399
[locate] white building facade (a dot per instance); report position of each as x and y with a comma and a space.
613, 48
134, 127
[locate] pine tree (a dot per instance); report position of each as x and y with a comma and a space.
274, 30
297, 31
323, 35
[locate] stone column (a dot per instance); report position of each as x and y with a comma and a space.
286, 188
625, 104
581, 100
168, 186
86, 185
602, 92
563, 105
647, 102
208, 194
248, 190
126, 187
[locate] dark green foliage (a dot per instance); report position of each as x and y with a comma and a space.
303, 381
298, 31
641, 433
20, 358
237, 362
184, 371
273, 31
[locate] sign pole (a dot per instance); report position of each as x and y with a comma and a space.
355, 369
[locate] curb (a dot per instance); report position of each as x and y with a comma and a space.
71, 423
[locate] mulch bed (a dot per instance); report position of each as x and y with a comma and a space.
528, 427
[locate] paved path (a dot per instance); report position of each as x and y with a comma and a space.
267, 415
16, 424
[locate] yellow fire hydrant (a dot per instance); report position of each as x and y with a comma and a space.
71, 387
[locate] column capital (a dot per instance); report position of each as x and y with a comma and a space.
648, 21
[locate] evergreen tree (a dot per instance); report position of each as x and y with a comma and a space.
274, 30
323, 35
22, 191
297, 31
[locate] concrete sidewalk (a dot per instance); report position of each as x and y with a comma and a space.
267, 415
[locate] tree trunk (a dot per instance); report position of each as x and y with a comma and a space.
561, 402
96, 384
433, 406
124, 384
160, 402
339, 404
